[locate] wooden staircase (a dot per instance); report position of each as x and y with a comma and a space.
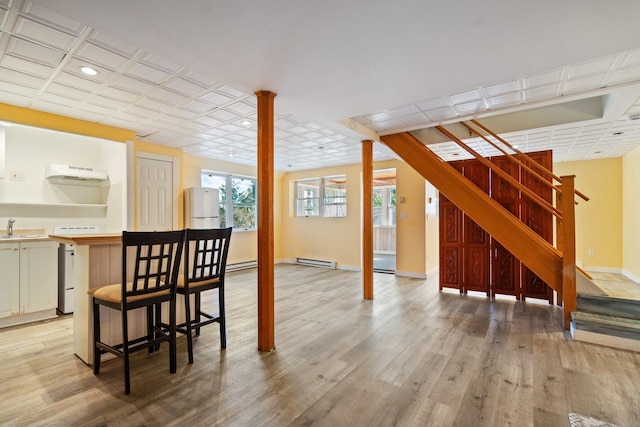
556, 268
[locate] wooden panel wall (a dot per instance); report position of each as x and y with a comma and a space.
470, 260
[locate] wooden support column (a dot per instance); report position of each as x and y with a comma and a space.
367, 219
568, 248
266, 323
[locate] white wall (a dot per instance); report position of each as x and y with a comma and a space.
29, 150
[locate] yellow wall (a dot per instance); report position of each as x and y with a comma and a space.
599, 221
328, 239
339, 239
631, 214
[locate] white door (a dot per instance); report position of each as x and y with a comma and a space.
155, 194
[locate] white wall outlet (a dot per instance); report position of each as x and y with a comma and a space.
16, 176
592, 252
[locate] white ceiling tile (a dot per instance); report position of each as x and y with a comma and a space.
541, 92
198, 107
223, 115
68, 92
234, 93
595, 81
241, 108
34, 52
43, 34
469, 107
143, 113
465, 97
599, 66
48, 97
119, 94
73, 66
200, 80
15, 99
216, 98
440, 113
43, 14
112, 44
17, 90
147, 73
183, 114
25, 66
379, 116
167, 96
160, 63
132, 85
107, 102
208, 121
19, 78
184, 87
547, 79
77, 81
627, 74
100, 56
505, 100
502, 89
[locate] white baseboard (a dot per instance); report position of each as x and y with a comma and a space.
631, 276
411, 274
348, 267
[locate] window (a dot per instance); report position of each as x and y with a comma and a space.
325, 197
237, 199
384, 206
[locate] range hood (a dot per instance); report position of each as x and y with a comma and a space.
76, 175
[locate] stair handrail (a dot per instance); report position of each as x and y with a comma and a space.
533, 196
513, 159
525, 156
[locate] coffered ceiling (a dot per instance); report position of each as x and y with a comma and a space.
547, 75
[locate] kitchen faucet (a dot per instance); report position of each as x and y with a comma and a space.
10, 227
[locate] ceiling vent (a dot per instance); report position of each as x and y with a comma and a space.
76, 175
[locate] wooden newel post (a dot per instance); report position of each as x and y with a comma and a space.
568, 230
367, 219
266, 322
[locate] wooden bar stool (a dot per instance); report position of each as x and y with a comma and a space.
153, 278
204, 269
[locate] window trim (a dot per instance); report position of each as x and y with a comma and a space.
320, 199
229, 205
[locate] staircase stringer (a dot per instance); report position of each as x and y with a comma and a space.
535, 252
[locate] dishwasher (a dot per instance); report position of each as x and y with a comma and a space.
66, 256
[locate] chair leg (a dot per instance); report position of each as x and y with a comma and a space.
198, 310
172, 337
96, 337
187, 315
158, 324
150, 333
125, 352
222, 321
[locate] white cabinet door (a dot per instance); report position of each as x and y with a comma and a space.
10, 282
38, 276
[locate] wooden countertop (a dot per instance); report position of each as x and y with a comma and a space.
87, 239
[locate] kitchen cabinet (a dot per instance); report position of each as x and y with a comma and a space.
30, 274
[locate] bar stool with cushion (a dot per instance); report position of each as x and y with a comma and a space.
204, 269
150, 269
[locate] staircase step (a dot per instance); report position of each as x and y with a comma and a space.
612, 331
609, 306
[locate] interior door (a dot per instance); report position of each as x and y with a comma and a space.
155, 201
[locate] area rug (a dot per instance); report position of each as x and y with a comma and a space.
581, 421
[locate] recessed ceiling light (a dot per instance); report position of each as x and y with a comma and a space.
89, 71
514, 146
245, 122
230, 154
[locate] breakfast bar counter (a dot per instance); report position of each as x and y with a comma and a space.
98, 262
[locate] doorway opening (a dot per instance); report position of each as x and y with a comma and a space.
384, 221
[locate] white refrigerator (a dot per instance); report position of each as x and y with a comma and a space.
202, 208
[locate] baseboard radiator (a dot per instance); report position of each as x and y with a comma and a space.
242, 265
316, 263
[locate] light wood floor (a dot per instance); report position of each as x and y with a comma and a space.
412, 357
